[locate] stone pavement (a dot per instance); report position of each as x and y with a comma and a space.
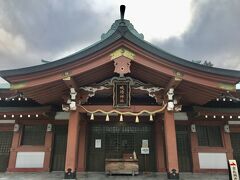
102, 176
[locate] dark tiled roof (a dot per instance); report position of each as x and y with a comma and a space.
125, 30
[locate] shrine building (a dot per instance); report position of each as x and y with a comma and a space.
121, 105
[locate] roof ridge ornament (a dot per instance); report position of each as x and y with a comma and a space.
122, 25
122, 11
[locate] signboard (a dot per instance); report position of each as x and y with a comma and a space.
233, 169
145, 143
144, 150
121, 94
98, 143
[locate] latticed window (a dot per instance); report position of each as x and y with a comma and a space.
209, 136
33, 135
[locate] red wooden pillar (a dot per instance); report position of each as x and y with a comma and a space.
171, 145
82, 147
194, 149
13, 151
159, 141
228, 144
48, 152
72, 146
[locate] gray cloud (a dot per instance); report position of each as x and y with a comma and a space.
214, 34
48, 28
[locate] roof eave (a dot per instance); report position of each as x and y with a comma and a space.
122, 32
61, 62
176, 60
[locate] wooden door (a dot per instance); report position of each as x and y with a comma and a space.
59, 147
184, 149
5, 145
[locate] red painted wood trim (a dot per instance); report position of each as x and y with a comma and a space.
72, 142
48, 151
180, 68
13, 150
6, 127
235, 128
68, 67
82, 67
170, 141
194, 151
228, 145
103, 57
132, 108
17, 147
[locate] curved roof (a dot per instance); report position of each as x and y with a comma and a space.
121, 29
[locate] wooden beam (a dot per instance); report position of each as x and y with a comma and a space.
48, 97
82, 67
142, 69
70, 82
52, 90
101, 58
197, 99
197, 92
174, 82
157, 80
206, 88
44, 86
194, 77
133, 108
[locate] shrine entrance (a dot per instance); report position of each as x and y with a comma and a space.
113, 140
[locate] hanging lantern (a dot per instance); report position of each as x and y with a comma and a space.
107, 118
151, 117
92, 117
121, 118
137, 119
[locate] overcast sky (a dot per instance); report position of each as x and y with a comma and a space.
32, 30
